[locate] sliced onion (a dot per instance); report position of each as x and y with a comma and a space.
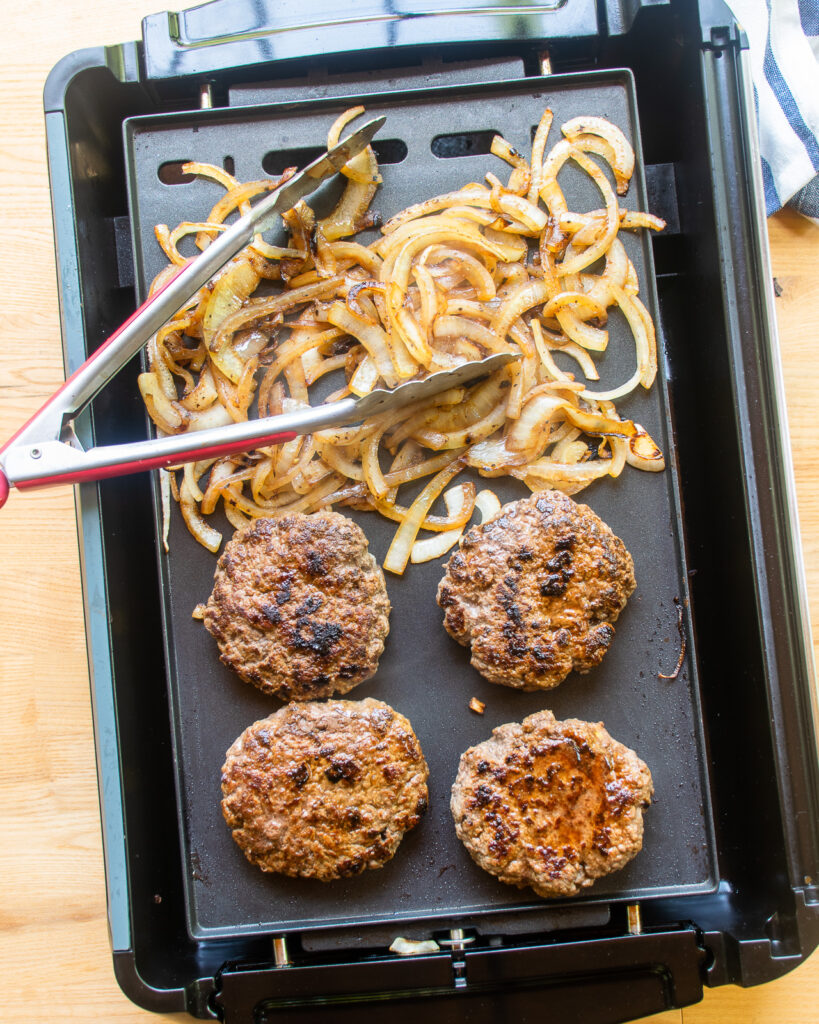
442, 202
488, 504
602, 147
358, 292
538, 149
619, 453
522, 298
492, 457
460, 306
482, 400
237, 197
229, 293
631, 219
582, 357
323, 366
631, 285
169, 240
335, 456
468, 265
202, 531
212, 171
646, 344
592, 338
365, 377
476, 431
545, 355
569, 449
360, 255
348, 214
214, 416
615, 272
273, 252
399, 474
428, 297
530, 216
643, 453
579, 261
597, 423
165, 501
401, 546
515, 248
578, 301
373, 476
437, 545
623, 153
412, 336
375, 340
166, 414
238, 520
529, 433
462, 327
550, 192
297, 345
190, 477
433, 547
396, 270
357, 169
500, 147
546, 475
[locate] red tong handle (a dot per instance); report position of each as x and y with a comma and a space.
55, 399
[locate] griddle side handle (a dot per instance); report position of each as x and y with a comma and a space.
226, 34
598, 981
762, 435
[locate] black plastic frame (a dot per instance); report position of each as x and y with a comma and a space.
741, 541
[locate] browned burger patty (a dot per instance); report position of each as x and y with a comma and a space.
550, 804
324, 790
535, 591
299, 606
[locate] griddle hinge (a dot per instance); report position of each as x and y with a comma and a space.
719, 28
457, 942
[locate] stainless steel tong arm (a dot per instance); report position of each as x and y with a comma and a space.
55, 462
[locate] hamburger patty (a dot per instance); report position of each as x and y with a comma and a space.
324, 790
550, 804
299, 606
535, 591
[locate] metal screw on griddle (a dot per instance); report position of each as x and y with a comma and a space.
457, 942
635, 919
281, 958
206, 96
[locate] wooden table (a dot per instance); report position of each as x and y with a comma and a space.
53, 935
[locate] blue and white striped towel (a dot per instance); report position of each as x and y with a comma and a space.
784, 41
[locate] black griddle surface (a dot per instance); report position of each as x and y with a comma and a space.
424, 674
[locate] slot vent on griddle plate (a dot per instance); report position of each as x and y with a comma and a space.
171, 173
387, 151
448, 147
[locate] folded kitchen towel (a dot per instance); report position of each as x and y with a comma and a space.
784, 42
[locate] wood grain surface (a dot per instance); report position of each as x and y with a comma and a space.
53, 935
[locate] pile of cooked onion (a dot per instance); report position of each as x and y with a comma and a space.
488, 268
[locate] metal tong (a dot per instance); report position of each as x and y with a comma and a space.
46, 450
